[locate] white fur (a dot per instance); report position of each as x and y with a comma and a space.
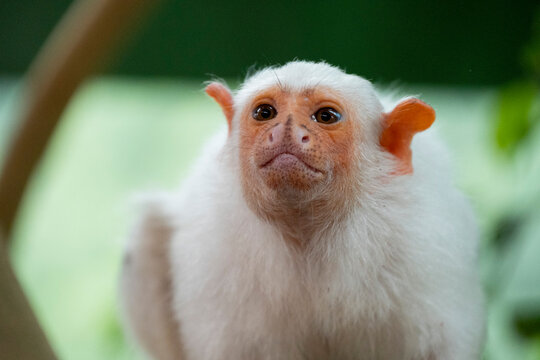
396, 280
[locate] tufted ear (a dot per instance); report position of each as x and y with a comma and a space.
399, 126
223, 97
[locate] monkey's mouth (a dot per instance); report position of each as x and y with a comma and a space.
287, 160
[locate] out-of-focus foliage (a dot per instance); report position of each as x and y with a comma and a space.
515, 236
517, 113
442, 42
519, 102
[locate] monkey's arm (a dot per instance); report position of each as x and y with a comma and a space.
146, 287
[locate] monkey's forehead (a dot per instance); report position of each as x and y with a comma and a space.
298, 76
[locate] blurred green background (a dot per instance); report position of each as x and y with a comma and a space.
140, 124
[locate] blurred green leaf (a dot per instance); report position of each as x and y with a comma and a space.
536, 345
527, 320
514, 115
505, 231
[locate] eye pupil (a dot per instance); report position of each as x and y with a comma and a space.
264, 112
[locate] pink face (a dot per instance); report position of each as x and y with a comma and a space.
299, 150
292, 145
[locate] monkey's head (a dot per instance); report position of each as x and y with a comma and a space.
306, 132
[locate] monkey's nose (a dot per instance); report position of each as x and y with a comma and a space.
276, 134
294, 133
301, 135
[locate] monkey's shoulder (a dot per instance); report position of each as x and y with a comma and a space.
152, 229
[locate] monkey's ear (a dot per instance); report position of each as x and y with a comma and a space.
399, 126
223, 97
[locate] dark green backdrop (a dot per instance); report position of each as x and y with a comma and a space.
459, 42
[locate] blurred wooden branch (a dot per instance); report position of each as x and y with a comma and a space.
79, 44
77, 47
20, 334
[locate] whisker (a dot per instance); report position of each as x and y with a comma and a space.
278, 81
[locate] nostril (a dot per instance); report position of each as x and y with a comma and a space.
305, 139
270, 137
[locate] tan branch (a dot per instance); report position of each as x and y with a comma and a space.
82, 40
75, 49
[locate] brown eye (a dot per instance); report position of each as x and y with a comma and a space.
326, 115
264, 112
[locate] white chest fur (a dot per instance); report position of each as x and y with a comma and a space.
369, 290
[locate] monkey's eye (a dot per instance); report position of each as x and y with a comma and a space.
264, 112
326, 115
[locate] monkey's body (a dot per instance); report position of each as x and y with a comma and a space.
391, 277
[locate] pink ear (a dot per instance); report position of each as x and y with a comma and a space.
224, 98
408, 117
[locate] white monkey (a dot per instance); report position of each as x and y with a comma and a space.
309, 231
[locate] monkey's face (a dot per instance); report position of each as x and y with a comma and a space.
296, 146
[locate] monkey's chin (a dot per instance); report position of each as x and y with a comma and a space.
289, 175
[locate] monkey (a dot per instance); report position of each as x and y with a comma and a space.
312, 227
